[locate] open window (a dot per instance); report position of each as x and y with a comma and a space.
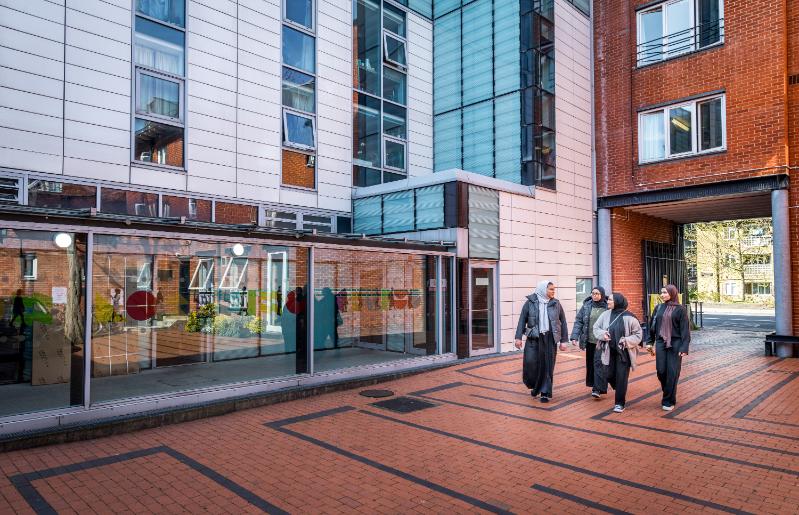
299, 130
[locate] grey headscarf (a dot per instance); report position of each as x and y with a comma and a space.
543, 300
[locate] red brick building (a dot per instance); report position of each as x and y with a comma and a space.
696, 108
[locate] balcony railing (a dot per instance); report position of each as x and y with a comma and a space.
756, 241
679, 43
759, 270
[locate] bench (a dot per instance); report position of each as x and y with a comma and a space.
773, 339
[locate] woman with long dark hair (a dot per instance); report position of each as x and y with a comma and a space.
542, 323
583, 334
618, 334
670, 332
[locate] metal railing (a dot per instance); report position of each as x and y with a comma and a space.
678, 43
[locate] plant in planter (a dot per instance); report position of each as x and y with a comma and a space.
202, 320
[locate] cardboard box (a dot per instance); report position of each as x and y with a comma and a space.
51, 355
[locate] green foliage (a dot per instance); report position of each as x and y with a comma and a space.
202, 319
206, 320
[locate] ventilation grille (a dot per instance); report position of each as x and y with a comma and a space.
793, 80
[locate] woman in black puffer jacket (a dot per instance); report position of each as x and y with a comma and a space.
582, 333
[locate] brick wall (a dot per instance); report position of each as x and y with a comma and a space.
296, 171
629, 229
793, 142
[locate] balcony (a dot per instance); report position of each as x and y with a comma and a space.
756, 241
758, 271
674, 45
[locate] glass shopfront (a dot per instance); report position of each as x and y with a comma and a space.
171, 315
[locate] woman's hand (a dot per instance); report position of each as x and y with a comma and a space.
518, 344
683, 354
606, 337
563, 346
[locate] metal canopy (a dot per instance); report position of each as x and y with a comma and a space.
712, 209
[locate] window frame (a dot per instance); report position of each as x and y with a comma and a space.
285, 142
30, 257
695, 46
178, 122
310, 30
696, 129
385, 139
386, 59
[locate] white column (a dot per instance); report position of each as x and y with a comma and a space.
783, 305
605, 271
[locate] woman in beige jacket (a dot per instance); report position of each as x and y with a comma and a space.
618, 334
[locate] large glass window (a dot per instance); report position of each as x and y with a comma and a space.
395, 154
368, 215
371, 310
300, 12
298, 130
394, 20
366, 131
366, 47
61, 195
680, 130
298, 90
430, 207
230, 312
158, 96
394, 120
42, 319
125, 202
398, 211
191, 208
676, 27
159, 47
394, 85
299, 50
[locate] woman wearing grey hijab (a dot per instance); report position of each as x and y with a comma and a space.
543, 323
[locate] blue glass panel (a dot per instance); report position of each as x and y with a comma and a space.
423, 7
170, 11
300, 11
298, 50
478, 80
158, 46
447, 58
478, 138
430, 207
367, 213
398, 211
447, 141
442, 7
299, 131
506, 47
507, 111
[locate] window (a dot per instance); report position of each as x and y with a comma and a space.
395, 154
757, 259
123, 202
299, 95
682, 130
30, 267
757, 289
676, 27
366, 131
730, 233
394, 85
193, 209
159, 78
730, 288
394, 120
398, 211
394, 50
9, 190
343, 225
584, 287
367, 214
300, 12
280, 220
430, 207
319, 223
59, 195
394, 20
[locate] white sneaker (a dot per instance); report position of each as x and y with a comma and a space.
667, 408
618, 408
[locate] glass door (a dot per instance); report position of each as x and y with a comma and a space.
482, 311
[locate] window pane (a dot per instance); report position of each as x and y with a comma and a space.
367, 215
298, 90
226, 213
679, 28
398, 211
653, 139
394, 85
193, 209
365, 176
158, 96
366, 131
299, 169
300, 11
506, 47
9, 190
59, 195
680, 133
478, 138
507, 112
343, 225
395, 51
158, 143
423, 7
395, 155
394, 20
544, 147
170, 11
298, 130
447, 146
158, 47
711, 124
366, 47
123, 202
394, 120
477, 52
711, 27
430, 207
650, 34
298, 50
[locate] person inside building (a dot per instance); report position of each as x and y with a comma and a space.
670, 332
618, 333
583, 334
542, 323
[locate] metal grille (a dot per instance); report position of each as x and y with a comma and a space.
664, 263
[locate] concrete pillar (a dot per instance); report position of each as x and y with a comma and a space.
783, 306
605, 272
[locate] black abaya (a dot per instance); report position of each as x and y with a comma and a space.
539, 364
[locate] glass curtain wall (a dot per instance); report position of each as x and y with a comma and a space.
229, 312
477, 124
372, 310
42, 319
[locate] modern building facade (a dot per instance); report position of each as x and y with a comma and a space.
207, 200
690, 134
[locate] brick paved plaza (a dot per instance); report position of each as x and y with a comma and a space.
483, 445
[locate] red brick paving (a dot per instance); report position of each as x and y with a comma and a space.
485, 446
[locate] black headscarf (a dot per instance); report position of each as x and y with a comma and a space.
603, 303
616, 328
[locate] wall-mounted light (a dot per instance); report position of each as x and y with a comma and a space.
63, 240
238, 249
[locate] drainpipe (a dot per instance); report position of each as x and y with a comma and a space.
783, 306
603, 249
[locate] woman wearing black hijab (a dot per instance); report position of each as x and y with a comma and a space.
583, 334
618, 333
670, 331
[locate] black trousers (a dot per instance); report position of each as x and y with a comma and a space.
668, 364
590, 350
617, 374
539, 364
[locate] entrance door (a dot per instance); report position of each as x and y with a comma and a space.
482, 314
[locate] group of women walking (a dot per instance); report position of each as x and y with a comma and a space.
609, 334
